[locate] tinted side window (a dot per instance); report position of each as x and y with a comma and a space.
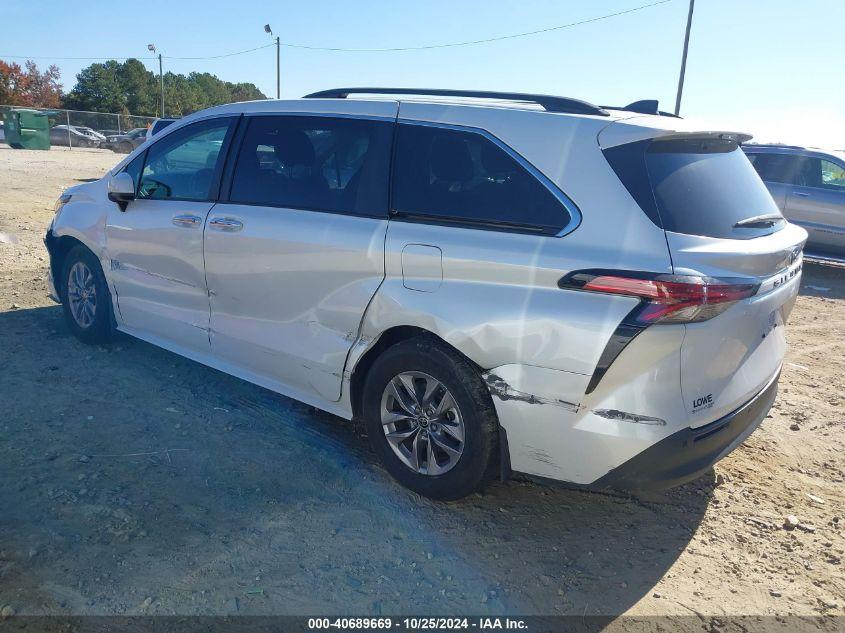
833, 176
315, 163
465, 177
782, 168
764, 165
181, 166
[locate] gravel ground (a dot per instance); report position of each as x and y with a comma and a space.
133, 481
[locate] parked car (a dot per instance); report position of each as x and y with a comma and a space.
99, 136
125, 143
77, 137
158, 125
808, 186
507, 283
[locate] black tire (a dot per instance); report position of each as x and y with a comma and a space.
100, 329
478, 461
126, 147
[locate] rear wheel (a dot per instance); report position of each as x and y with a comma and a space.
125, 147
85, 297
430, 419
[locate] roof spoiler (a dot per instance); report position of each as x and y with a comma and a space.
547, 102
644, 106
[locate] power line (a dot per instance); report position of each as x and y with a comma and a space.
472, 42
363, 50
34, 57
368, 50
249, 50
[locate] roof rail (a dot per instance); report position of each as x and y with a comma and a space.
548, 102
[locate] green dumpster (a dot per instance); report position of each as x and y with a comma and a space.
26, 129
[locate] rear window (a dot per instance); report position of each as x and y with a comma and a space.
695, 186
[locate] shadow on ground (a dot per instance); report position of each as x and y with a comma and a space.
136, 481
823, 280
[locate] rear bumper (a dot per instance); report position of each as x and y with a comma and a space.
689, 453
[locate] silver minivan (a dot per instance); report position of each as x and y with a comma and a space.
490, 282
808, 186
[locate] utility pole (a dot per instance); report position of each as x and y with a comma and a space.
269, 31
684, 60
161, 83
151, 47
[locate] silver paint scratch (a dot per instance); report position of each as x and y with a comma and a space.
501, 389
538, 454
623, 416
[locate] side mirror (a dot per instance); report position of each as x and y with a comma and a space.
121, 189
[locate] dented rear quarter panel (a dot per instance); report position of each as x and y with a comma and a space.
497, 299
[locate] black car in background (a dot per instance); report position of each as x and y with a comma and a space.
125, 143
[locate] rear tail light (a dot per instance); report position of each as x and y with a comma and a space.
666, 298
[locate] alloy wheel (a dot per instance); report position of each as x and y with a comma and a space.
82, 294
422, 423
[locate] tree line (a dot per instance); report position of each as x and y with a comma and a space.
28, 86
119, 87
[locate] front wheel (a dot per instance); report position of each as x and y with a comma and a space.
431, 420
85, 297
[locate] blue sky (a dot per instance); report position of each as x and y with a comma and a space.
773, 68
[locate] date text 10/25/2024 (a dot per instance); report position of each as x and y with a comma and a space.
417, 624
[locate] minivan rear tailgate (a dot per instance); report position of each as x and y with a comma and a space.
727, 360
725, 234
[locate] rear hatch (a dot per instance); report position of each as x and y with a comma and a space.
722, 228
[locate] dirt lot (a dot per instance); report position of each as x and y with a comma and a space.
133, 481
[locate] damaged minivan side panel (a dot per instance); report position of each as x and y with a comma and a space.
498, 302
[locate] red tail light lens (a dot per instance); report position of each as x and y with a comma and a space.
672, 298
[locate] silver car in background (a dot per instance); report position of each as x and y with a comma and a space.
808, 186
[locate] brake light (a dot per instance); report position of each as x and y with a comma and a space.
667, 298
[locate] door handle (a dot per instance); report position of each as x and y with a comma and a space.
230, 225
801, 194
188, 221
